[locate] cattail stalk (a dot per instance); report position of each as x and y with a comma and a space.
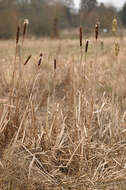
54, 79
17, 49
14, 68
96, 35
81, 53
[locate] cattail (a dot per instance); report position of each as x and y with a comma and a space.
117, 49
26, 22
27, 60
54, 64
114, 25
96, 31
80, 36
18, 50
18, 34
102, 45
86, 46
40, 59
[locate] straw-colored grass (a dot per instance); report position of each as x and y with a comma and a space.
70, 137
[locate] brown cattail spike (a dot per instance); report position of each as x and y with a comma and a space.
54, 64
40, 59
24, 30
27, 60
80, 36
86, 46
18, 34
96, 31
26, 22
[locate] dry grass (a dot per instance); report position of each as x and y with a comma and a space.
63, 130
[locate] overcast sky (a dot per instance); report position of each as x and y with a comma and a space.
116, 3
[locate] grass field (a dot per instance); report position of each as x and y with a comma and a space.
63, 129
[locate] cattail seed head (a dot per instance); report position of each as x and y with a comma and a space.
54, 64
27, 60
81, 36
86, 46
26, 21
40, 59
96, 31
114, 25
18, 34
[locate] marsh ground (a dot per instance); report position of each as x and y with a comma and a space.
64, 129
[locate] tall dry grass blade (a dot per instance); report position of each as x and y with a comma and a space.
30, 166
43, 171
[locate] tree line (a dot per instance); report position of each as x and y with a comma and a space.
49, 17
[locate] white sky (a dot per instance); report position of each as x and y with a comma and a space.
116, 3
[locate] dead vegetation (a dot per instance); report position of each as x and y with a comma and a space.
63, 130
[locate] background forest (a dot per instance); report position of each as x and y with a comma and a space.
49, 17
